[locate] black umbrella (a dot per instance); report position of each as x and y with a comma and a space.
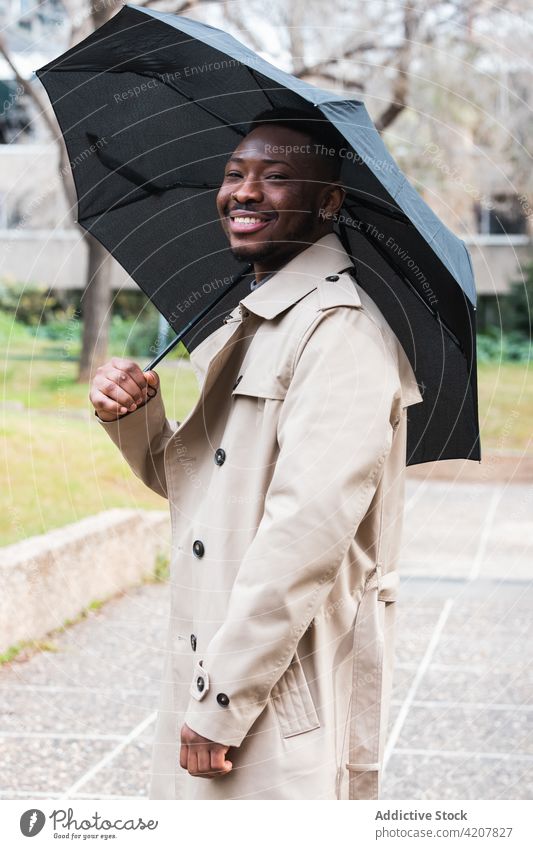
151, 105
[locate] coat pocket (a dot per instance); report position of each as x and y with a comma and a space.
293, 701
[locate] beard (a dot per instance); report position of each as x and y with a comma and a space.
255, 253
275, 249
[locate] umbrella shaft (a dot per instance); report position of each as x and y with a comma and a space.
157, 359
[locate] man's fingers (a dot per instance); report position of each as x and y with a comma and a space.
153, 378
114, 392
103, 404
184, 756
192, 762
131, 369
218, 760
204, 761
123, 381
201, 757
126, 382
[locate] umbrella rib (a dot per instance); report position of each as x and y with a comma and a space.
263, 90
377, 207
129, 173
121, 205
194, 321
406, 281
191, 99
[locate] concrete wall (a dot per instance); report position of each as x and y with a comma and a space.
50, 258
58, 259
497, 260
39, 242
47, 579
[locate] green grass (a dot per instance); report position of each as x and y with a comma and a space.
24, 649
506, 406
161, 571
57, 468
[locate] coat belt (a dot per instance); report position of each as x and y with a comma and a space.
371, 649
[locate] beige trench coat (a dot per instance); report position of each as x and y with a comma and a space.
286, 491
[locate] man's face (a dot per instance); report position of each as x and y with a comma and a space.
273, 190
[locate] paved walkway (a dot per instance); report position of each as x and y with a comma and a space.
78, 723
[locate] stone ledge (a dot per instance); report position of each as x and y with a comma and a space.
47, 579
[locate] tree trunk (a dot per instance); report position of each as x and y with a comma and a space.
96, 308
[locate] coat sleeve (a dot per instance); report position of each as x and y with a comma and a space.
335, 430
142, 436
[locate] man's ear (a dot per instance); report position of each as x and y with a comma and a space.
333, 198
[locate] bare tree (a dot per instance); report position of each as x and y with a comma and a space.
84, 17
97, 295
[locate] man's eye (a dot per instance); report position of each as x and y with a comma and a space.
232, 174
277, 176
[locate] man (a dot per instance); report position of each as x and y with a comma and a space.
286, 486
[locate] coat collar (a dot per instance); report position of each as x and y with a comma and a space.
299, 276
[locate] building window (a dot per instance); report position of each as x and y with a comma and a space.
505, 217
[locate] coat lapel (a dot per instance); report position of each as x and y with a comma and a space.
290, 284
209, 358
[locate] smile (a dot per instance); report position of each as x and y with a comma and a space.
248, 223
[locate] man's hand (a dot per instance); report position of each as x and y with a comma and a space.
120, 386
202, 757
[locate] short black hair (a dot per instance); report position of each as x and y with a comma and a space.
311, 123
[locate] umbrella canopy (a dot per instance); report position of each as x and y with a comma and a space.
151, 106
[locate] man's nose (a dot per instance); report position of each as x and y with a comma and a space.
248, 190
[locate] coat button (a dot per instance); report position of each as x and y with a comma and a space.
220, 456
200, 683
193, 642
223, 700
237, 381
333, 278
198, 547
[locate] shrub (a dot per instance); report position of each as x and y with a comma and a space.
518, 304
495, 346
35, 305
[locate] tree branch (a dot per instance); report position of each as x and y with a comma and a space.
177, 8
401, 84
49, 120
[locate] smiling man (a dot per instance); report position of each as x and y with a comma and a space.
280, 194
286, 487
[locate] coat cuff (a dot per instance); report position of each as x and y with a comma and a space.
147, 421
213, 713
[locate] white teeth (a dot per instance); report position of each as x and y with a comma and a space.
241, 220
